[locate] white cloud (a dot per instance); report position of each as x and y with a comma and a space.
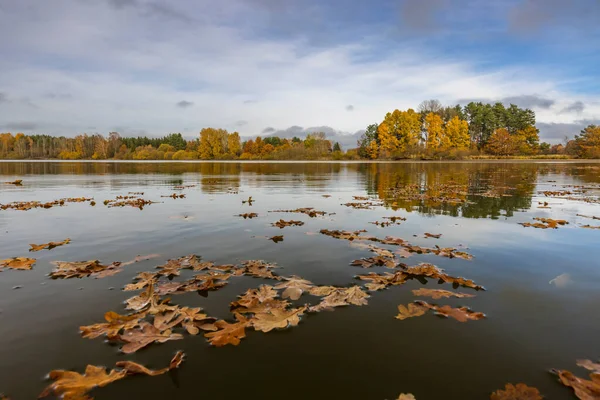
121, 68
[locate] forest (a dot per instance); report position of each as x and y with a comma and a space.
432, 132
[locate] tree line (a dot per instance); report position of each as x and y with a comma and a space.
433, 131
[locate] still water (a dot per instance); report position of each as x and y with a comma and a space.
354, 352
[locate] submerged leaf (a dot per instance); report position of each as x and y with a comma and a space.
520, 391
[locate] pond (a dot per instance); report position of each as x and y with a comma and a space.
541, 285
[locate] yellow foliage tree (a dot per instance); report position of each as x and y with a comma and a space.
457, 131
436, 134
213, 143
234, 147
527, 140
399, 131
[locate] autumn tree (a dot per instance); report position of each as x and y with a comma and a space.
587, 144
435, 132
457, 131
399, 131
213, 143
501, 143
368, 142
234, 148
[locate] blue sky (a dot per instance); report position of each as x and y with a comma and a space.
290, 66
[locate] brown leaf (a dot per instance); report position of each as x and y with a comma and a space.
276, 239
587, 364
322, 291
255, 296
520, 391
194, 320
409, 311
22, 263
374, 262
342, 297
49, 246
172, 267
406, 396
439, 293
138, 338
259, 269
140, 258
143, 279
277, 318
462, 314
545, 223
433, 235
584, 389
311, 212
294, 287
133, 368
141, 300
229, 333
113, 325
18, 182
71, 385
248, 215
282, 224
81, 269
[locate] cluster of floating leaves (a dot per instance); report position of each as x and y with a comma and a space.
544, 223
28, 205
282, 224
311, 212
175, 196
393, 241
130, 201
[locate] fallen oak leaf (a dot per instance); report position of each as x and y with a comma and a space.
229, 333
248, 215
21, 263
406, 396
276, 239
277, 318
590, 365
520, 391
282, 224
254, 296
140, 258
409, 311
294, 287
133, 368
49, 246
143, 279
584, 389
433, 235
71, 385
462, 314
113, 325
439, 293
342, 297
17, 182
141, 337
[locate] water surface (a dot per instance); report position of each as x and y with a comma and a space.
351, 353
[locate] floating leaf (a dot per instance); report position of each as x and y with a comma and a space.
113, 325
82, 269
406, 396
133, 368
433, 235
277, 318
22, 263
172, 267
248, 215
277, 239
282, 224
545, 223
590, 365
49, 246
520, 391
410, 310
439, 293
294, 287
342, 297
143, 279
229, 333
136, 339
259, 269
18, 182
462, 314
71, 385
175, 196
311, 212
590, 226
584, 389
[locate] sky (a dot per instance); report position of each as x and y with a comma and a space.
287, 67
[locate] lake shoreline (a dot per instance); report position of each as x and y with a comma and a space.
486, 161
